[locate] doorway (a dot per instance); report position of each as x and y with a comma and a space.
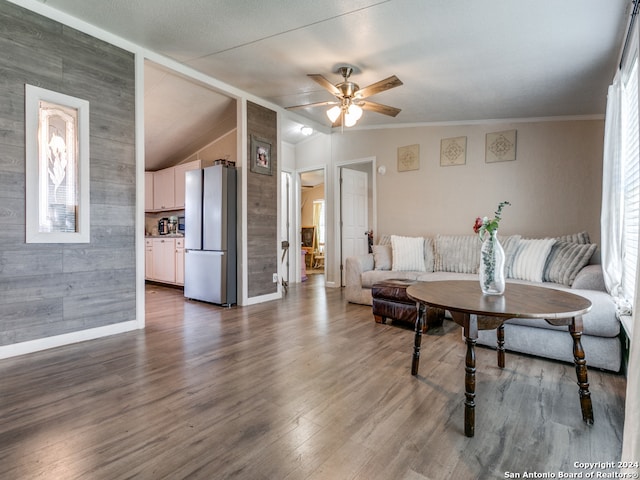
312, 222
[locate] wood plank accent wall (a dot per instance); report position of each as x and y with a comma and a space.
262, 206
53, 289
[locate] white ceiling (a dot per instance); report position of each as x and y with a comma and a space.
460, 60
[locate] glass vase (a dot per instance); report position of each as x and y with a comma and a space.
492, 265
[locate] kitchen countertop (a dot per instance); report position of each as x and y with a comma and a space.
170, 235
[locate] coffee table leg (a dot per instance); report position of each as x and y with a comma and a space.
417, 339
575, 329
500, 334
470, 388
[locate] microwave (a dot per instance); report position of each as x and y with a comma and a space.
181, 225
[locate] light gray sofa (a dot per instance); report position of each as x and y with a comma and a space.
567, 266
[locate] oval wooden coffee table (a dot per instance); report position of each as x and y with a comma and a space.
474, 311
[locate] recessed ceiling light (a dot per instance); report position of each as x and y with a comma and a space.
306, 130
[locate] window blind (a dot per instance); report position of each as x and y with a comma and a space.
630, 179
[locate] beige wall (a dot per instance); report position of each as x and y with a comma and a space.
554, 184
308, 196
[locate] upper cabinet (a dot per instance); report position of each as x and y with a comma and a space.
179, 172
164, 195
148, 191
164, 189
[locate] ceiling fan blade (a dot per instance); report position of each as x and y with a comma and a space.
379, 108
323, 82
378, 87
316, 104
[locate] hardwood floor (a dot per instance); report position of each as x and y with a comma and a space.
307, 387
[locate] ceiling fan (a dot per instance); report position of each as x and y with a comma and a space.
350, 103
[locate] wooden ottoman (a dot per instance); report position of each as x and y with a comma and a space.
390, 300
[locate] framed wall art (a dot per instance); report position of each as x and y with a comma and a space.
57, 167
260, 161
500, 146
453, 151
409, 158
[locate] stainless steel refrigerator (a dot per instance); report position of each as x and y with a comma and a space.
210, 271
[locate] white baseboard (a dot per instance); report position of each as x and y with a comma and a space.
32, 346
262, 298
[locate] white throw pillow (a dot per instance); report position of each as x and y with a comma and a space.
407, 254
530, 258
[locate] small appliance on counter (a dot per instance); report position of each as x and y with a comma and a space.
173, 225
181, 225
163, 226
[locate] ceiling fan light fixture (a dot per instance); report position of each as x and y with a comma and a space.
355, 111
333, 113
352, 115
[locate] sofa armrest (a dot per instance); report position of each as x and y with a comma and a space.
355, 266
590, 278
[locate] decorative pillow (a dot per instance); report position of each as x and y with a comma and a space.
530, 259
384, 240
510, 246
582, 238
566, 260
407, 254
428, 254
381, 257
457, 253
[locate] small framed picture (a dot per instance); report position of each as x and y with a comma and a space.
500, 146
260, 156
453, 151
409, 158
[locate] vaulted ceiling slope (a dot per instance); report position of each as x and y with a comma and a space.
459, 60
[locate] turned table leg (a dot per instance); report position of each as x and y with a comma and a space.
470, 388
500, 335
470, 326
575, 329
418, 338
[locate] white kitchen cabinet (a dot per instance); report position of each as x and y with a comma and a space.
148, 191
164, 189
164, 260
180, 261
148, 258
179, 171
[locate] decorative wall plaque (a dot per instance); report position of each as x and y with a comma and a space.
453, 151
500, 146
409, 158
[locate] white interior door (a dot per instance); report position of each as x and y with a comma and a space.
354, 206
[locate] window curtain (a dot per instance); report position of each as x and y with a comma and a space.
317, 221
611, 216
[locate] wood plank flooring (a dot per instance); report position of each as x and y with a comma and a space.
307, 387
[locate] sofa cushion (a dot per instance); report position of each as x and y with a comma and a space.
530, 258
374, 276
581, 237
438, 276
381, 257
457, 253
407, 254
565, 260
